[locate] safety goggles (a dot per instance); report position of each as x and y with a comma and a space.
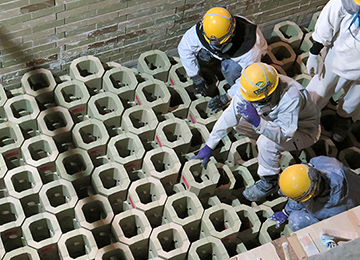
355, 21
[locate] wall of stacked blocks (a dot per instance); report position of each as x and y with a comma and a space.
98, 122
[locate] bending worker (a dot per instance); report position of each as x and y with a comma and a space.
218, 47
317, 191
277, 111
338, 29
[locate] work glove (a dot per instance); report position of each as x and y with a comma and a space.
312, 64
205, 154
279, 217
248, 112
218, 102
199, 85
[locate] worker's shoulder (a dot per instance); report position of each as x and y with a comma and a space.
321, 161
290, 86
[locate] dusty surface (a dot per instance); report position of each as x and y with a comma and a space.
346, 251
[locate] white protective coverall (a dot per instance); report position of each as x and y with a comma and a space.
341, 66
291, 124
190, 45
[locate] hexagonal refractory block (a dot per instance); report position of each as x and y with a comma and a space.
55, 122
25, 253
184, 208
115, 251
178, 76
40, 83
200, 135
127, 150
12, 214
39, 150
175, 134
91, 135
72, 95
350, 158
208, 248
57, 196
21, 108
22, 181
79, 243
289, 32
250, 223
200, 113
93, 211
226, 182
282, 54
142, 121
325, 146
242, 152
179, 101
41, 230
307, 42
120, 80
74, 164
153, 93
169, 241
164, 165
313, 21
201, 181
111, 178
133, 229
89, 70
220, 221
10, 136
104, 106
354, 134
149, 196
155, 63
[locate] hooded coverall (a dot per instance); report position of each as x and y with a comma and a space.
248, 47
291, 124
341, 194
341, 66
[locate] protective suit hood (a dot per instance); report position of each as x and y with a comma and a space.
350, 6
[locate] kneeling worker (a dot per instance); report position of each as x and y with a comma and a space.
317, 191
274, 109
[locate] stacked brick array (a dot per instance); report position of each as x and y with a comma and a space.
51, 33
94, 166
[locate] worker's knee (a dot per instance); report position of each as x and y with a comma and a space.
301, 219
231, 70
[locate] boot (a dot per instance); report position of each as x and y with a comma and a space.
266, 186
341, 128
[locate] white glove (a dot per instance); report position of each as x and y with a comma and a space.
312, 64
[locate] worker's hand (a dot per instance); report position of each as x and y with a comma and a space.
312, 64
218, 102
279, 217
199, 84
248, 112
204, 154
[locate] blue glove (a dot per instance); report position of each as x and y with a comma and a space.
279, 217
205, 154
248, 112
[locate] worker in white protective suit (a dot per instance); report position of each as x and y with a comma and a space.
337, 28
219, 47
277, 111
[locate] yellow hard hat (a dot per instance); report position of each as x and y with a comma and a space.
258, 81
298, 182
357, 2
218, 25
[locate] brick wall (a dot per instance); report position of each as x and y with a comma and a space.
50, 34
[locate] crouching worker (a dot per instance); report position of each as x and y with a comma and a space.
316, 191
274, 109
